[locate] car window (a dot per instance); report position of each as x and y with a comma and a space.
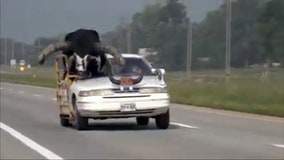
132, 66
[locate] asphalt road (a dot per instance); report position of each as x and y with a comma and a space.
194, 133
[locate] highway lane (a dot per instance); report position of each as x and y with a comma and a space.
194, 133
11, 148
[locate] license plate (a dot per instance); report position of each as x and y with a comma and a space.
127, 107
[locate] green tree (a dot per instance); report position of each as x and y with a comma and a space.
271, 30
209, 35
209, 38
257, 27
160, 28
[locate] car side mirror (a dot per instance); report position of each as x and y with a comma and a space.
159, 72
153, 70
163, 71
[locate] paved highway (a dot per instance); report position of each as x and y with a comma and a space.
30, 129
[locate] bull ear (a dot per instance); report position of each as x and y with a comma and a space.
51, 49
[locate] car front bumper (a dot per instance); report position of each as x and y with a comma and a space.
111, 107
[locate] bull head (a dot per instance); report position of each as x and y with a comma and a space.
82, 61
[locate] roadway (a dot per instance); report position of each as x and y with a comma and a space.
30, 129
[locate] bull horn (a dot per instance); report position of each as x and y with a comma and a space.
134, 81
138, 80
51, 49
114, 81
110, 74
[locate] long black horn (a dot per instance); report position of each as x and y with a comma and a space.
110, 74
138, 80
114, 81
51, 49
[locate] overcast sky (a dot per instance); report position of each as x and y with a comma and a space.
25, 20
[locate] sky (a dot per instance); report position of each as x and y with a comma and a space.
25, 20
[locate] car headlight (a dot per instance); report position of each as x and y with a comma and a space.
102, 92
22, 68
153, 90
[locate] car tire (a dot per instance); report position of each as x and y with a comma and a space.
80, 123
64, 122
143, 121
163, 120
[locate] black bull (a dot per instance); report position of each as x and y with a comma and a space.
86, 44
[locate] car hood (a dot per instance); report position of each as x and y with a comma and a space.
104, 82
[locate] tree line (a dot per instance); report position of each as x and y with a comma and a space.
257, 34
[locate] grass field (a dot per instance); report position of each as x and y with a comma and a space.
244, 92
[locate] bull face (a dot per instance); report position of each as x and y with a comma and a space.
82, 64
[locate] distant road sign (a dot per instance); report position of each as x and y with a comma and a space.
13, 63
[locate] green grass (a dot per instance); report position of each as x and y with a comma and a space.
263, 98
29, 80
244, 92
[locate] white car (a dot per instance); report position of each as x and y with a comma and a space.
100, 98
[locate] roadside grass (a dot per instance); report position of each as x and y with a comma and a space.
251, 97
29, 80
245, 92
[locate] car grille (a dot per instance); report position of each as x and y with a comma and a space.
128, 96
126, 90
123, 113
126, 93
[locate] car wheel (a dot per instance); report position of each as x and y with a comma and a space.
80, 123
142, 120
64, 122
163, 120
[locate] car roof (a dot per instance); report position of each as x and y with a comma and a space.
127, 55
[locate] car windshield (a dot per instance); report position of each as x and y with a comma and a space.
132, 66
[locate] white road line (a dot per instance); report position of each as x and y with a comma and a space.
54, 99
36, 95
21, 92
30, 143
183, 125
278, 145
